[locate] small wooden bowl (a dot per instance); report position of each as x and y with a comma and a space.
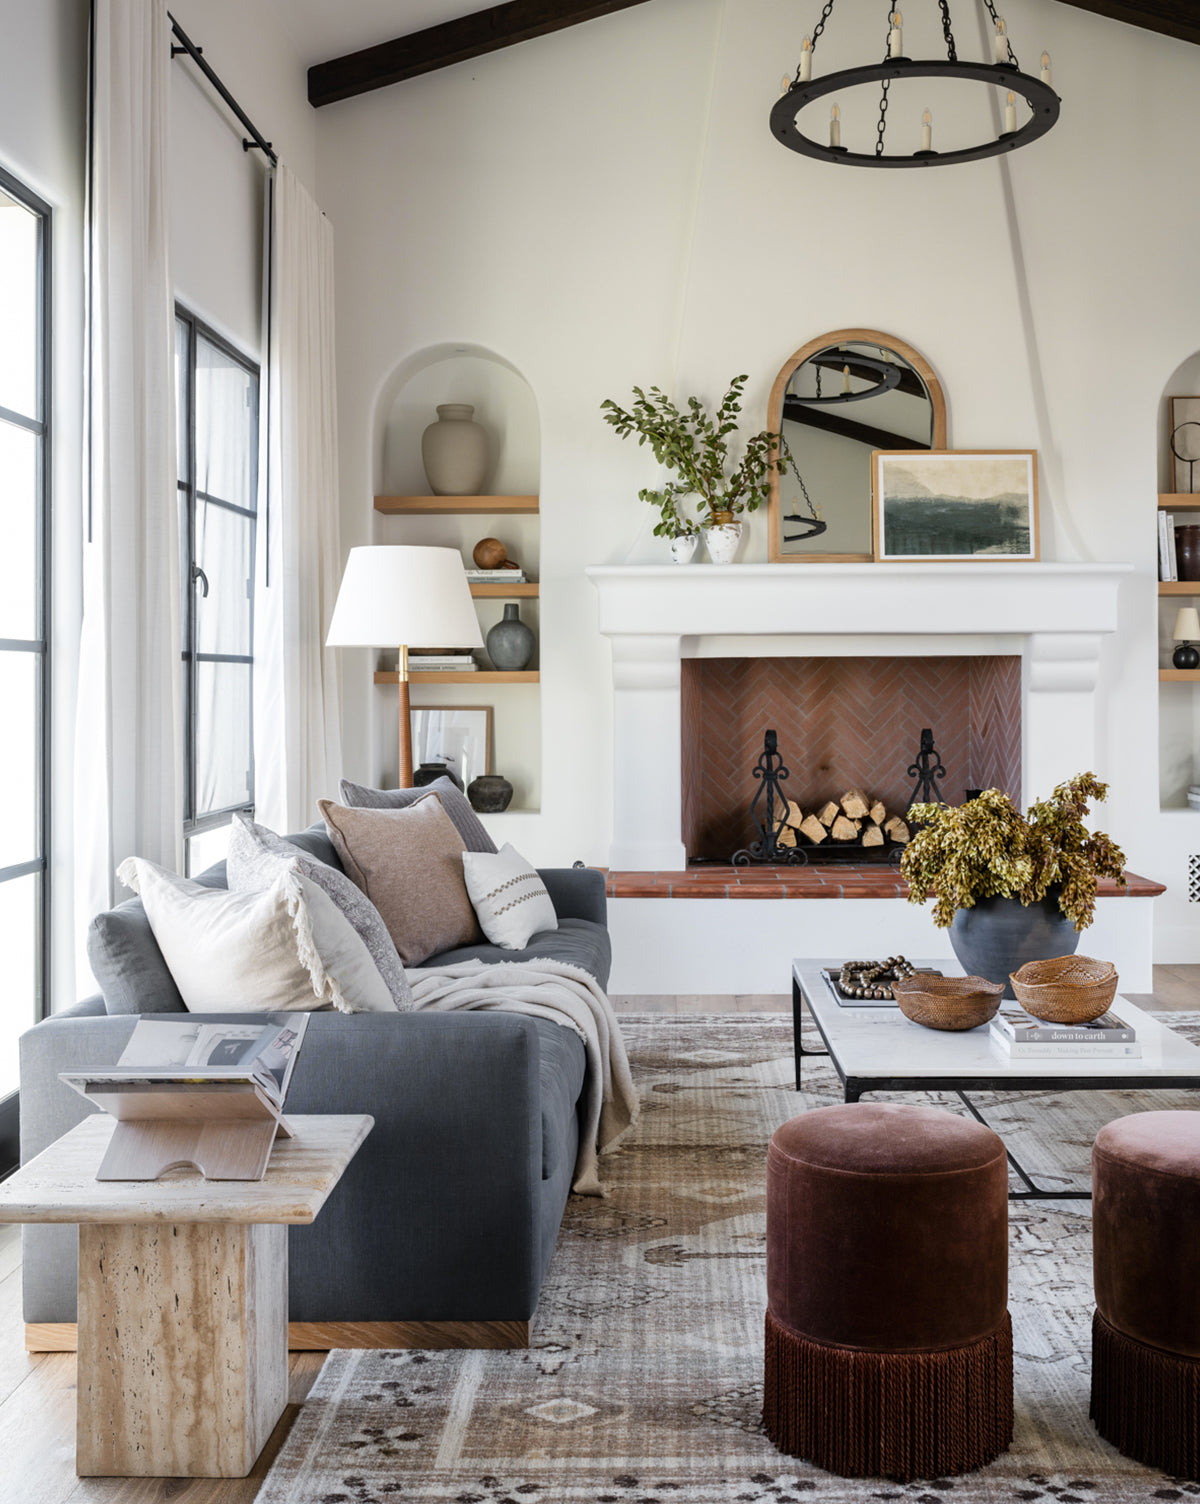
954, 1003
1067, 989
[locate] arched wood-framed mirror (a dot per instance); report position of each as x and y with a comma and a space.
836, 399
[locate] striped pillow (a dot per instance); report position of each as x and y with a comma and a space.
509, 898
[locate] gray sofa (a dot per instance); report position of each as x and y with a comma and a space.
450, 1211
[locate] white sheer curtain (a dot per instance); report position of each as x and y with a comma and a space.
129, 761
297, 687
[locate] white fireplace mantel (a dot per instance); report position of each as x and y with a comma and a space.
1054, 616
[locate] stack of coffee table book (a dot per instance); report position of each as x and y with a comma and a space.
1019, 1035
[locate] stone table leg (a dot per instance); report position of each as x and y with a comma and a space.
182, 1347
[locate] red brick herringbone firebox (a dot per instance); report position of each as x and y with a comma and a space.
842, 723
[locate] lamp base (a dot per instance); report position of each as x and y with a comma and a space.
1186, 656
404, 778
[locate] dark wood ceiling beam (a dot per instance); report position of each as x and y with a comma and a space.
1172, 18
451, 42
847, 428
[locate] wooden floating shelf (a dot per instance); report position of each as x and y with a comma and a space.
1179, 675
1179, 587
1179, 501
448, 505
491, 592
480, 676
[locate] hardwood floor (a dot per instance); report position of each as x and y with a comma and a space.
37, 1392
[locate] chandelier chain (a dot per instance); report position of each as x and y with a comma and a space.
820, 26
951, 49
883, 97
1012, 56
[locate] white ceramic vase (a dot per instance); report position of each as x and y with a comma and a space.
682, 549
722, 541
454, 451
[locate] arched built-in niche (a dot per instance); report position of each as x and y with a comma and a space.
1178, 691
837, 398
505, 406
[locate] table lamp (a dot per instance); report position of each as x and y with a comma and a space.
407, 597
1186, 633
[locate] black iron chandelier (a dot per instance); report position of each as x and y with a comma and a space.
1003, 72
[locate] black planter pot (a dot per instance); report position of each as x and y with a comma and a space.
999, 935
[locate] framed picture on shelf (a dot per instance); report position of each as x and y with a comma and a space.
954, 504
458, 735
1185, 445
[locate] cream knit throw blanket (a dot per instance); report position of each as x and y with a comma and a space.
566, 995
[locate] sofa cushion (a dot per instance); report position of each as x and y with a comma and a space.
578, 942
454, 802
562, 1064
508, 896
409, 864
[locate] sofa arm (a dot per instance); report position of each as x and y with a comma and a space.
576, 892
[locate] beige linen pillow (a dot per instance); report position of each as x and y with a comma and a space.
409, 864
509, 898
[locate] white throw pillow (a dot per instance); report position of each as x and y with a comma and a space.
509, 898
286, 947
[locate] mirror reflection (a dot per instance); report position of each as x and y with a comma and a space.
839, 404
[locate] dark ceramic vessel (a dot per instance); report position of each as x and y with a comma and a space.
999, 935
429, 772
1187, 550
510, 643
489, 793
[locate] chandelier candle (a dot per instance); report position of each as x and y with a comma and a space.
1010, 114
806, 61
896, 36
1047, 75
835, 127
927, 131
1000, 42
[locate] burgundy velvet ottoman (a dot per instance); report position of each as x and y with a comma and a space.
888, 1341
1146, 1268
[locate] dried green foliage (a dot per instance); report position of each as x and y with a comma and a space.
696, 446
986, 848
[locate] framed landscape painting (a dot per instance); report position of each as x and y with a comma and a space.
955, 504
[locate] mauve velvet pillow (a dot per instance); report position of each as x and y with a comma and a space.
454, 802
409, 864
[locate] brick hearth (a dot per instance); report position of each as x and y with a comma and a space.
842, 881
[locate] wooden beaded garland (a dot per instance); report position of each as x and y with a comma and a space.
872, 979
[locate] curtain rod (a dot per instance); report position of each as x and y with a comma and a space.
197, 56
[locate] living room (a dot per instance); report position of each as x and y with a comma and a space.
572, 205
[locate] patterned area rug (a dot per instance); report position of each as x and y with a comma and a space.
644, 1381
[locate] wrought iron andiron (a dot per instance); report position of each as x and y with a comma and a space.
771, 773
925, 770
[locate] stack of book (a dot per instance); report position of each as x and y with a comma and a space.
1168, 563
1022, 1037
496, 576
440, 661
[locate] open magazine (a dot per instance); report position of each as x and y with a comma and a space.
163, 1052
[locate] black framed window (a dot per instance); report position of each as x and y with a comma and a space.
24, 614
217, 407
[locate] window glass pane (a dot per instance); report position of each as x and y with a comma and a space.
182, 336
19, 839
206, 848
19, 509
223, 551
19, 939
19, 235
223, 739
226, 406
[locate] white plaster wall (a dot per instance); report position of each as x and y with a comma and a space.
607, 206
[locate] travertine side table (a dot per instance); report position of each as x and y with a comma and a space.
183, 1296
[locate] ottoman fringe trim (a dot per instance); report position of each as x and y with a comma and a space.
1146, 1402
889, 1415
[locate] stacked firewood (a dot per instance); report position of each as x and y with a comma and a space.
853, 817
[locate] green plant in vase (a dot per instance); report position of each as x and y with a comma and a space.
1009, 887
696, 445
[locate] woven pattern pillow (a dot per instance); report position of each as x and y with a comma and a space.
454, 802
509, 898
256, 858
287, 947
409, 864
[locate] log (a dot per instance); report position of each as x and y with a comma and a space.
813, 829
828, 813
897, 829
843, 829
794, 816
785, 836
872, 835
878, 812
856, 804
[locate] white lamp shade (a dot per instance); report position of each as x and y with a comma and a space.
1187, 624
401, 596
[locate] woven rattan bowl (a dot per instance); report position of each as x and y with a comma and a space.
1066, 990
947, 1002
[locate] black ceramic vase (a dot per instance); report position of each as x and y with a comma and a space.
430, 772
999, 935
510, 643
489, 793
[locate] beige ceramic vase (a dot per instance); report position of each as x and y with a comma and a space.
454, 452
